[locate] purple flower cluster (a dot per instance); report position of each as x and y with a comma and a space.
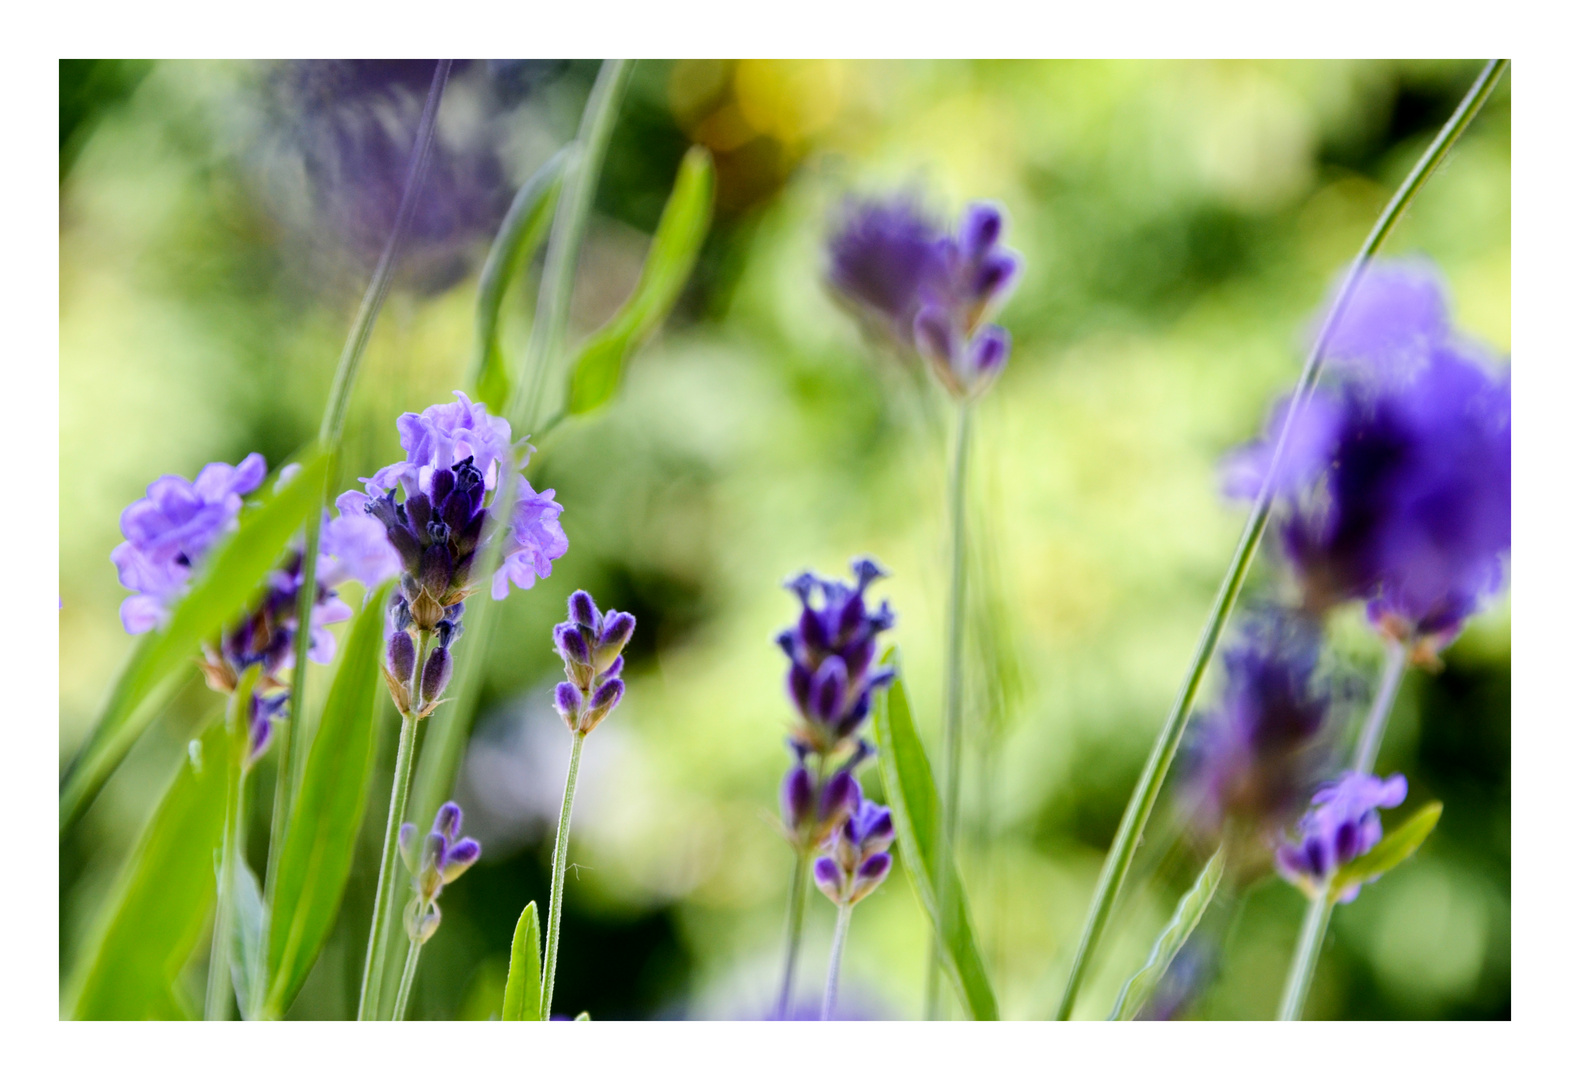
1342, 823
590, 646
1255, 758
926, 290
858, 858
437, 862
1396, 478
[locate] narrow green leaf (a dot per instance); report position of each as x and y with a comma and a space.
521, 999
583, 1015
234, 571
528, 220
250, 913
318, 845
1142, 984
161, 903
683, 225
918, 818
1389, 852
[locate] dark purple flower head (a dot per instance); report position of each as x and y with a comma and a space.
438, 861
831, 649
1257, 754
1396, 478
880, 256
590, 646
1342, 823
858, 858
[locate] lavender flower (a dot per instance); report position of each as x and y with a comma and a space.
1255, 757
1396, 480
590, 646
858, 860
811, 809
1342, 823
880, 257
436, 863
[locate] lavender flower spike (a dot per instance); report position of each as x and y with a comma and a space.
1341, 824
880, 256
436, 863
859, 860
590, 646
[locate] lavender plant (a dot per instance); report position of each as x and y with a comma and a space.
437, 862
857, 863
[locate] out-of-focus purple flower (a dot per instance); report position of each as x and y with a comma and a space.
1397, 314
436, 863
831, 649
441, 437
168, 532
880, 256
535, 539
1190, 972
1342, 823
590, 646
812, 811
1257, 755
1396, 478
858, 858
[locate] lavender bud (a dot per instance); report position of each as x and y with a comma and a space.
869, 875
581, 609
400, 656
840, 797
572, 646
438, 670
614, 636
614, 671
606, 698
829, 877
569, 703
982, 227
406, 838
796, 799
449, 819
989, 353
935, 336
460, 857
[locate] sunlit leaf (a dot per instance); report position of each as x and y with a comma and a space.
162, 901
677, 239
250, 915
521, 999
918, 817
318, 845
1390, 852
583, 1015
233, 573
1190, 909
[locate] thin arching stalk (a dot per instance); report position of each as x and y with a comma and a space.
410, 962
1115, 869
795, 908
559, 878
836, 954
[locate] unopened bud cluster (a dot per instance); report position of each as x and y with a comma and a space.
858, 856
590, 646
433, 864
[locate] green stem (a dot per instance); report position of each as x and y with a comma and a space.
795, 907
836, 954
1157, 764
220, 980
559, 878
1316, 921
376, 946
406, 983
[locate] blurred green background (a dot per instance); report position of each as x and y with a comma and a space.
1180, 223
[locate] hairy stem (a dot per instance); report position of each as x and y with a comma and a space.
220, 984
406, 983
795, 907
381, 913
836, 954
1317, 919
1157, 764
559, 878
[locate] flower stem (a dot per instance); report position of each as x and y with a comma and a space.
795, 907
406, 983
559, 878
220, 984
1317, 919
954, 701
836, 954
1115, 869
376, 946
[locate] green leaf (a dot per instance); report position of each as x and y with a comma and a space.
234, 571
250, 921
918, 818
522, 230
319, 842
679, 235
584, 1015
161, 902
1142, 984
1389, 852
521, 999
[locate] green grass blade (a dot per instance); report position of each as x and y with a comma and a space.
521, 999
682, 228
523, 229
583, 1015
918, 818
1390, 852
250, 918
161, 903
318, 846
1142, 984
232, 575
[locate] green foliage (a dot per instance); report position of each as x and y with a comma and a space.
521, 999
1142, 984
683, 225
318, 846
522, 230
918, 817
250, 928
162, 900
234, 571
1390, 852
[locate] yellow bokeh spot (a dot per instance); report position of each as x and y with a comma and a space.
789, 99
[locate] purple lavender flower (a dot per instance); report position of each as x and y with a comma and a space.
1396, 480
438, 862
590, 646
831, 648
858, 860
535, 539
813, 810
168, 532
1342, 823
1256, 756
880, 256
1397, 314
